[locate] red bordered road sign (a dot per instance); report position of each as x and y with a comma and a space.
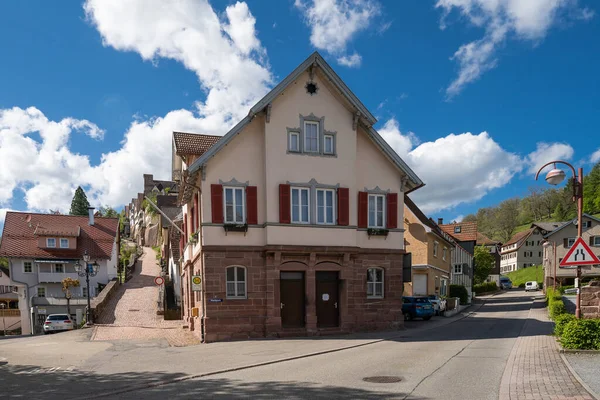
579, 254
159, 280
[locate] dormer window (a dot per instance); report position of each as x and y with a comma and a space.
457, 229
51, 242
64, 243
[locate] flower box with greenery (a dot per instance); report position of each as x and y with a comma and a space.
377, 232
236, 228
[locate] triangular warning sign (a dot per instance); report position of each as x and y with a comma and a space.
579, 254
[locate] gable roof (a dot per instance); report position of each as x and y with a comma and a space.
483, 240
548, 226
573, 221
517, 237
424, 220
193, 143
20, 240
366, 118
468, 231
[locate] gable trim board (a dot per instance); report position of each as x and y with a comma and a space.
368, 120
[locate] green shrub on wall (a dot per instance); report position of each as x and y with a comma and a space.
581, 334
460, 292
556, 308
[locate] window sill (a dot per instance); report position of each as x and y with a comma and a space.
375, 297
235, 228
312, 154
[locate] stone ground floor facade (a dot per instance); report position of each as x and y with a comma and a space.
255, 292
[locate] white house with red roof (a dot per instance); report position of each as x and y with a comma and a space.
42, 250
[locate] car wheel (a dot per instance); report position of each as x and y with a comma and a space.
426, 318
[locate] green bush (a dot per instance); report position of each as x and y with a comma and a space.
581, 334
521, 286
565, 287
556, 308
560, 322
485, 287
460, 292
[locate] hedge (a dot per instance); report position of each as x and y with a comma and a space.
561, 322
485, 287
460, 292
556, 306
581, 334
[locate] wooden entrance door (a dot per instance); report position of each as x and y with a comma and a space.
291, 294
328, 306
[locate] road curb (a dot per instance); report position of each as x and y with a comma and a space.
576, 376
264, 363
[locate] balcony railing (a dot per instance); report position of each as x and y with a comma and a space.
10, 313
55, 277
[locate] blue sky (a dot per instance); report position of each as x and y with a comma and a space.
90, 92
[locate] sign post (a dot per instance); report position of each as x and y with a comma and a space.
196, 283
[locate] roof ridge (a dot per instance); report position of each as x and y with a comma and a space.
199, 134
58, 215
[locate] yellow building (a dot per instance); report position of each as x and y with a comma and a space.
431, 251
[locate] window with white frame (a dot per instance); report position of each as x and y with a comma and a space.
27, 267
444, 287
587, 224
294, 142
59, 268
458, 270
311, 136
444, 253
457, 229
325, 206
570, 242
375, 283
235, 210
376, 211
50, 242
328, 144
236, 282
435, 248
596, 241
64, 243
41, 291
300, 200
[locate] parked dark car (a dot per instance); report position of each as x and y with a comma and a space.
417, 307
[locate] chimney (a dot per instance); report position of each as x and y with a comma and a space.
440, 221
91, 214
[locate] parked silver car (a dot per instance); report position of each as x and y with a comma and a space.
439, 304
58, 323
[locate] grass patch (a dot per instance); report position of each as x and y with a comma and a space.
526, 274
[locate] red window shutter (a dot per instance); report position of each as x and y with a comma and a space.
363, 209
193, 219
284, 204
392, 211
566, 242
195, 215
185, 229
216, 198
251, 205
343, 206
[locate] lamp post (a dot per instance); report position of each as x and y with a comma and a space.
554, 177
87, 271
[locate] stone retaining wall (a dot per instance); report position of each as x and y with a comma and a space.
590, 300
99, 302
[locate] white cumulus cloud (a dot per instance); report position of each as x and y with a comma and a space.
546, 152
595, 157
528, 20
334, 23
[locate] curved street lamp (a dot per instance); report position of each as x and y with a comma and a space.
87, 271
554, 177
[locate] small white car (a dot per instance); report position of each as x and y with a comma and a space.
58, 323
532, 285
439, 304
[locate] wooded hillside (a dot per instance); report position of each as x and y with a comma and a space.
552, 204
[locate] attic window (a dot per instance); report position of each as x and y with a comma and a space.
311, 88
457, 229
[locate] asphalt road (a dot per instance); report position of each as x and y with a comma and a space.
461, 360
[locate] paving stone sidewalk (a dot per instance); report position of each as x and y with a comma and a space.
535, 369
131, 312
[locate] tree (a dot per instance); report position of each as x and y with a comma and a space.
67, 284
483, 264
80, 203
507, 219
591, 190
560, 213
109, 212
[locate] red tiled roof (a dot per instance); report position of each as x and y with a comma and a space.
20, 240
518, 237
468, 231
483, 240
193, 143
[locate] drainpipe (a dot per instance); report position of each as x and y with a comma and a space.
27, 300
